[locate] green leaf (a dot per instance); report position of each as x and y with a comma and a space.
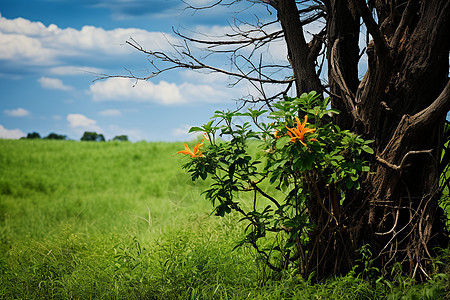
337, 157
365, 169
208, 127
367, 149
195, 129
334, 111
281, 142
278, 113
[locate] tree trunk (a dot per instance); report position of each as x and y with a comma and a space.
401, 104
302, 62
343, 29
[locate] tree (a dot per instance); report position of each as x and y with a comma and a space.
54, 136
33, 135
92, 137
121, 138
401, 103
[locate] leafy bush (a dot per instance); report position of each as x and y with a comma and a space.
298, 179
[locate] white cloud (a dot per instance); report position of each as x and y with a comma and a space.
10, 133
117, 89
19, 112
120, 89
82, 123
110, 113
33, 43
23, 26
54, 84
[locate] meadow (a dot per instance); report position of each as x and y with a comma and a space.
120, 220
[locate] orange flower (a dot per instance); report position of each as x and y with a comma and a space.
196, 153
298, 133
275, 134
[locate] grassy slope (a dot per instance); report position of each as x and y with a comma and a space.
122, 220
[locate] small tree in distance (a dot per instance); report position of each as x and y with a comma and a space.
90, 136
121, 138
32, 136
54, 136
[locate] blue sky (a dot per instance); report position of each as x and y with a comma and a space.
50, 50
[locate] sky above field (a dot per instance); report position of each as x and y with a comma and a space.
52, 51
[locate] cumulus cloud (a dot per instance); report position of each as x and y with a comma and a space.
165, 93
117, 89
81, 122
13, 134
110, 113
19, 112
53, 84
33, 43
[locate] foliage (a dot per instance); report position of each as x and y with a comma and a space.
444, 180
55, 136
121, 138
33, 135
92, 137
299, 166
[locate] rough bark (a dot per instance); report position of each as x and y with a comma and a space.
400, 103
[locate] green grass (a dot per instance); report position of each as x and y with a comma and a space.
123, 221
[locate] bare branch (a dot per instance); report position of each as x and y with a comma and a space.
189, 6
374, 30
249, 40
402, 164
189, 62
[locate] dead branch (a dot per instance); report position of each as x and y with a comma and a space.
196, 8
190, 62
402, 164
247, 40
373, 29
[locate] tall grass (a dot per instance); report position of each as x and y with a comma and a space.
82, 220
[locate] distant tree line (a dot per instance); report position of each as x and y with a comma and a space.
51, 136
89, 136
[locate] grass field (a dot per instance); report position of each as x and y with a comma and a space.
86, 220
